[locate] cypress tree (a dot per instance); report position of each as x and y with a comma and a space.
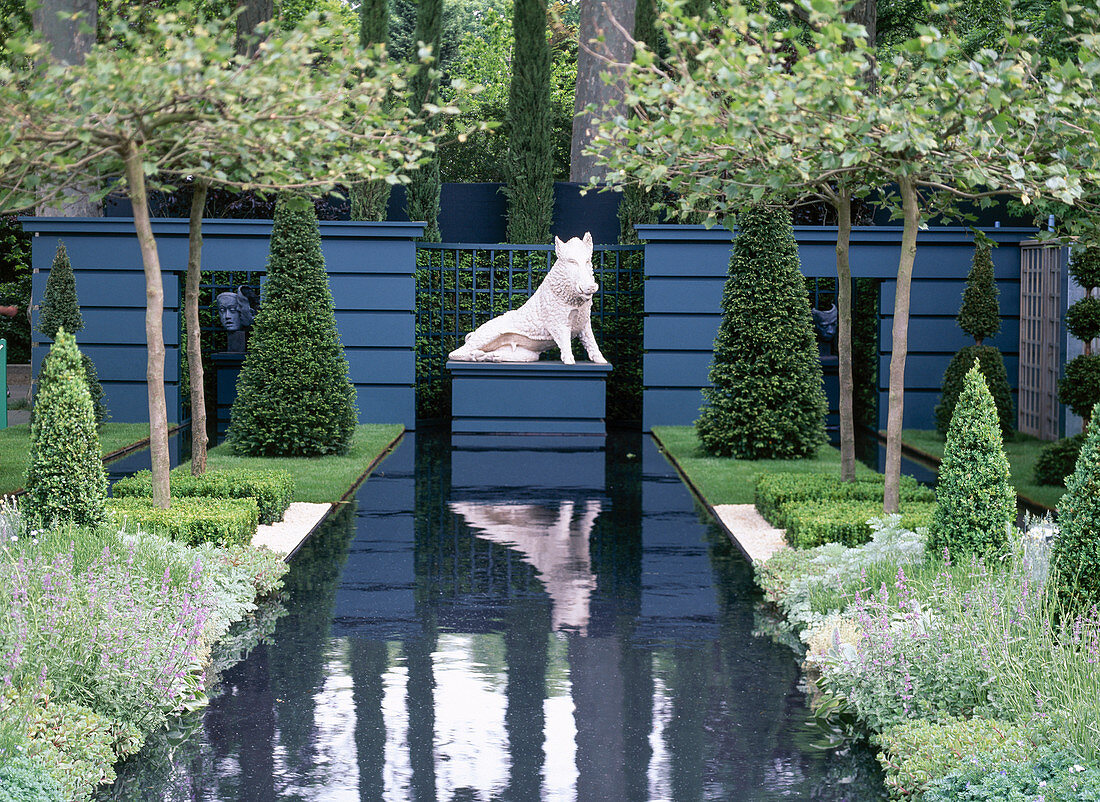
529, 187
60, 309
65, 480
294, 397
767, 399
980, 317
370, 198
425, 186
974, 501
1075, 560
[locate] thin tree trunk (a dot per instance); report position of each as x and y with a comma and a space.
154, 328
900, 345
253, 12
194, 339
844, 335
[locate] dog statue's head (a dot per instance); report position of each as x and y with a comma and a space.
575, 260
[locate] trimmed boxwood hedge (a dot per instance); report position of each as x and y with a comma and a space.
814, 523
775, 490
222, 521
272, 490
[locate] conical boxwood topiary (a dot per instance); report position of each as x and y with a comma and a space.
980, 317
974, 501
767, 399
1075, 559
65, 482
294, 397
60, 309
980, 314
992, 366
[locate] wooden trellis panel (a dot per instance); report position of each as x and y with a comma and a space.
1040, 331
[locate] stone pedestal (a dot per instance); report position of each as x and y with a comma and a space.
227, 367
528, 397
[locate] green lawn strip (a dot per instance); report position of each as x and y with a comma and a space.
15, 448
319, 479
1022, 451
725, 480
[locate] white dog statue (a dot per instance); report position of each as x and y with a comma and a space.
559, 310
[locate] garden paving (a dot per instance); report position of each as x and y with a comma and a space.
287, 536
757, 538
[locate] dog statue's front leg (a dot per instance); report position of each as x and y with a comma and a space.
588, 340
564, 340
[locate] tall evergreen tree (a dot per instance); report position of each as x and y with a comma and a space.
60, 309
980, 317
370, 198
767, 399
974, 501
66, 482
294, 397
529, 169
1075, 560
424, 189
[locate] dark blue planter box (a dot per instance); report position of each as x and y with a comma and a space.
528, 397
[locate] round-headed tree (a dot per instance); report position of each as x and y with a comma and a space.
980, 317
1075, 560
767, 398
294, 396
60, 309
974, 501
65, 481
1080, 388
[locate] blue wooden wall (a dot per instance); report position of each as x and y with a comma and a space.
370, 268
686, 269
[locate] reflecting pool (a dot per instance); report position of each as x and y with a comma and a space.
509, 618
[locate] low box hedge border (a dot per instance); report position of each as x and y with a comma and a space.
774, 491
814, 523
221, 521
272, 490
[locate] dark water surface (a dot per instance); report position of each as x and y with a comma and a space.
511, 619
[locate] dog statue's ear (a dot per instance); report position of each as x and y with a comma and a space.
558, 245
587, 238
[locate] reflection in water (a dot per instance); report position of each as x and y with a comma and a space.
503, 640
555, 542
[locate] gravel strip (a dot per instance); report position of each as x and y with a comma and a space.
284, 537
756, 537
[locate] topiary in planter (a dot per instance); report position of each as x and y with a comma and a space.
767, 398
60, 309
979, 317
294, 396
1057, 460
65, 481
992, 366
1075, 559
974, 501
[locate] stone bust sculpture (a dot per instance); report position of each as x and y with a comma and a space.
825, 322
559, 310
236, 311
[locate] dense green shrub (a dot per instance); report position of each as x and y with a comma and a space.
916, 753
24, 779
814, 523
1075, 560
1080, 387
980, 314
422, 200
1083, 319
1084, 266
767, 399
272, 490
16, 330
1057, 460
294, 397
975, 503
992, 366
222, 521
1052, 776
775, 490
65, 481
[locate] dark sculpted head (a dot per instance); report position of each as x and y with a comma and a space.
235, 309
825, 321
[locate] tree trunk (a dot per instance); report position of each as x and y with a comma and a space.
69, 40
900, 345
194, 334
154, 328
844, 335
253, 12
596, 18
